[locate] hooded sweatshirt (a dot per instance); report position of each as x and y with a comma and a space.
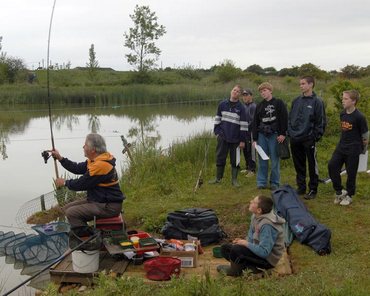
266, 237
99, 178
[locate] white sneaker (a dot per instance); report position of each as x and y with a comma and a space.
346, 201
244, 171
249, 174
340, 197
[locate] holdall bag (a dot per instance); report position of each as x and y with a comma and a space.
196, 222
283, 149
162, 268
303, 225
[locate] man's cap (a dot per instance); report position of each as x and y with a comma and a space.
247, 92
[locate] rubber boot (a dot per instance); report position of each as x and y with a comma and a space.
234, 177
231, 270
219, 175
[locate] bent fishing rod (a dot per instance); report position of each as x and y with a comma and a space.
45, 154
51, 264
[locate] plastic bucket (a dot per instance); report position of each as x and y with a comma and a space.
85, 261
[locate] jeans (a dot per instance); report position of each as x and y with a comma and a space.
269, 145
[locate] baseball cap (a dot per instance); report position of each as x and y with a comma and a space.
247, 92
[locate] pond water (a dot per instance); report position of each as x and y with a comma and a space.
25, 133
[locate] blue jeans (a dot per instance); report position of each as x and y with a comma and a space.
269, 145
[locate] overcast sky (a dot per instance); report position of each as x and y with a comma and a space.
280, 33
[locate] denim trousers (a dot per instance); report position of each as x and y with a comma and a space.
269, 145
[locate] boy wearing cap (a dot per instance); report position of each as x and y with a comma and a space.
230, 128
250, 108
269, 128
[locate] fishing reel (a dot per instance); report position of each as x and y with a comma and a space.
45, 155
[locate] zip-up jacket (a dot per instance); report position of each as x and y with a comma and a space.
307, 118
230, 122
99, 178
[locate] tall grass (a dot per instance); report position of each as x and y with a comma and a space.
156, 184
116, 88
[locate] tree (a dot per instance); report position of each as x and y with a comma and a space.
310, 69
269, 71
293, 71
93, 63
140, 39
227, 71
256, 69
350, 71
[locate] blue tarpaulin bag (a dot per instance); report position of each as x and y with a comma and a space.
303, 225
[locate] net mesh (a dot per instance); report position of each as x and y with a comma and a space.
40, 208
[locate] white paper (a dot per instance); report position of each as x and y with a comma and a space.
237, 156
261, 152
362, 163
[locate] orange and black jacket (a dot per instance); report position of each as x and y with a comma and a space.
99, 178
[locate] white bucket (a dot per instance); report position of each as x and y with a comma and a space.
85, 261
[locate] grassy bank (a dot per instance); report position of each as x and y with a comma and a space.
157, 184
117, 88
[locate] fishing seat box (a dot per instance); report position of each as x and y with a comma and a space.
109, 224
188, 258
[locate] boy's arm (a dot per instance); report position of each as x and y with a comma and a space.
365, 141
319, 120
267, 237
217, 128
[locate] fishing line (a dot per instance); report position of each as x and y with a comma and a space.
48, 88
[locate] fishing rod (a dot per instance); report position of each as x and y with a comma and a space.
51, 264
45, 154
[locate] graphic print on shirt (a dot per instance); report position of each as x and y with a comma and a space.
270, 111
346, 126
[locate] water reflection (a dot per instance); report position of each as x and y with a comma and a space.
14, 121
4, 139
94, 123
145, 132
69, 120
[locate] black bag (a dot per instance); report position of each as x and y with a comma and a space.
197, 222
283, 149
303, 225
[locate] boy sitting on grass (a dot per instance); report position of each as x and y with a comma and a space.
353, 141
264, 245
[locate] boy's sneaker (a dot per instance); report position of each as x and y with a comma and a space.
244, 171
249, 174
310, 195
346, 201
339, 196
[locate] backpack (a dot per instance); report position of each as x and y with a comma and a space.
197, 222
302, 224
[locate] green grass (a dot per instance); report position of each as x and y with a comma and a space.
157, 184
117, 88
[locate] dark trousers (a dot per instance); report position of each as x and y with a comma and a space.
243, 256
302, 151
250, 164
224, 148
351, 164
79, 212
